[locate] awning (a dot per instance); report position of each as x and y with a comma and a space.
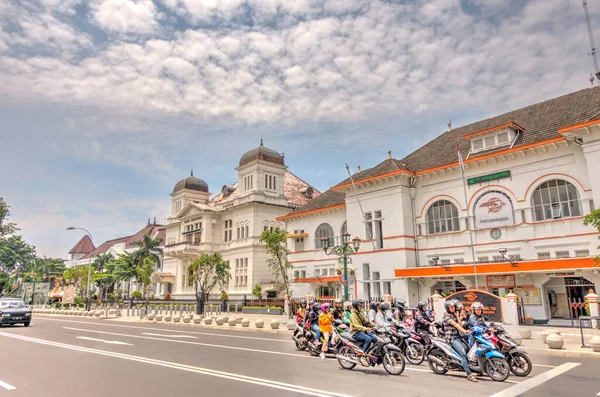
498, 268
292, 235
331, 279
159, 277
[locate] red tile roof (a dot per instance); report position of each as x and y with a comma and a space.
105, 246
152, 230
83, 246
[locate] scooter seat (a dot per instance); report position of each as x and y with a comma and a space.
348, 337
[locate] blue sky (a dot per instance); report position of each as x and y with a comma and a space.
106, 104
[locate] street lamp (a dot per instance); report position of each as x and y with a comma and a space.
343, 251
503, 251
87, 287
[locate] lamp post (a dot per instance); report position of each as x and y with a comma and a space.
343, 251
87, 286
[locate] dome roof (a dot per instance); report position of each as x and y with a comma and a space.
191, 183
262, 153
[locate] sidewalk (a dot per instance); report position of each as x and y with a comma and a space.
571, 337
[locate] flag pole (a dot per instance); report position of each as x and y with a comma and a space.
462, 171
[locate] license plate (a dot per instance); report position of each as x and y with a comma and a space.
17, 318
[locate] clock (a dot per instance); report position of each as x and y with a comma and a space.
495, 233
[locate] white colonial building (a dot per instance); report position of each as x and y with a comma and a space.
530, 177
230, 223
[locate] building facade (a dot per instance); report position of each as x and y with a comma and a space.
231, 223
529, 177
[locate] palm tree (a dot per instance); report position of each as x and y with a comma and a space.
125, 269
101, 261
103, 278
149, 248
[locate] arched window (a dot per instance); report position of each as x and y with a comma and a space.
324, 230
555, 199
344, 228
442, 217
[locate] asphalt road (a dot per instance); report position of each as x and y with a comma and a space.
73, 357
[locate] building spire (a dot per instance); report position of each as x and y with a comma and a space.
192, 172
261, 142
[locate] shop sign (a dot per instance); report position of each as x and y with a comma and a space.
489, 177
564, 274
501, 281
493, 209
529, 294
492, 305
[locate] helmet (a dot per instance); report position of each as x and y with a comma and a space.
347, 303
325, 306
422, 306
477, 305
302, 302
310, 303
449, 304
375, 305
458, 304
384, 306
338, 300
401, 303
357, 303
315, 306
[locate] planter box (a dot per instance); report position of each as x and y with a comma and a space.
257, 310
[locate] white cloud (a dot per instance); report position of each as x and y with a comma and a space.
125, 16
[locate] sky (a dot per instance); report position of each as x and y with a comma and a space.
106, 104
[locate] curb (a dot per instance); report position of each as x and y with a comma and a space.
562, 352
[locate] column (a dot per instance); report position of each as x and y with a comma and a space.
438, 302
591, 152
510, 313
592, 299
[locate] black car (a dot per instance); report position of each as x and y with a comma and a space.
14, 311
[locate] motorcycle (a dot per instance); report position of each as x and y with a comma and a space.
483, 358
299, 337
517, 359
386, 354
412, 349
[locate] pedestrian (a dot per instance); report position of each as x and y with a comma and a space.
325, 326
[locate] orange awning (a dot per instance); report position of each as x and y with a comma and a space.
331, 279
497, 268
292, 235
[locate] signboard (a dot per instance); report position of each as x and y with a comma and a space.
493, 209
501, 281
529, 294
492, 305
69, 294
489, 177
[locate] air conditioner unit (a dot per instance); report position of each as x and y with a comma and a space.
556, 211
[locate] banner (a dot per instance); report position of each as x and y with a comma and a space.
493, 209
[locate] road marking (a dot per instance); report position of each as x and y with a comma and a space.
544, 366
522, 387
7, 386
189, 368
169, 330
170, 336
110, 342
189, 342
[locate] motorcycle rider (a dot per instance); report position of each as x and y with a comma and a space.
476, 319
360, 327
452, 327
399, 312
381, 318
347, 312
313, 320
301, 312
325, 321
373, 312
463, 319
423, 322
338, 310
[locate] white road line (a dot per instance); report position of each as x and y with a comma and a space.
110, 342
522, 387
189, 342
169, 330
189, 368
544, 366
7, 386
170, 336
598, 394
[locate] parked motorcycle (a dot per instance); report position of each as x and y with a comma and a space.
483, 358
517, 359
387, 354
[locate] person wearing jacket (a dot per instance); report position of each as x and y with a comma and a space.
423, 322
313, 321
325, 326
373, 312
338, 310
301, 312
347, 312
381, 319
360, 327
476, 319
452, 329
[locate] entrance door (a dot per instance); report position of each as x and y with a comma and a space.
577, 289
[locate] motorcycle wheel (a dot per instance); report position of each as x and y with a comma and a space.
393, 362
435, 367
302, 343
497, 369
519, 364
313, 350
346, 352
415, 353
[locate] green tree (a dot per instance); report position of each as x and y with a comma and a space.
593, 219
257, 291
208, 271
149, 248
275, 243
125, 269
4, 282
16, 255
6, 228
77, 276
104, 277
144, 274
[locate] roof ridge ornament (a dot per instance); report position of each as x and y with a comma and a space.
261, 142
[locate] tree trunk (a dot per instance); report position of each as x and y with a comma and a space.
200, 300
